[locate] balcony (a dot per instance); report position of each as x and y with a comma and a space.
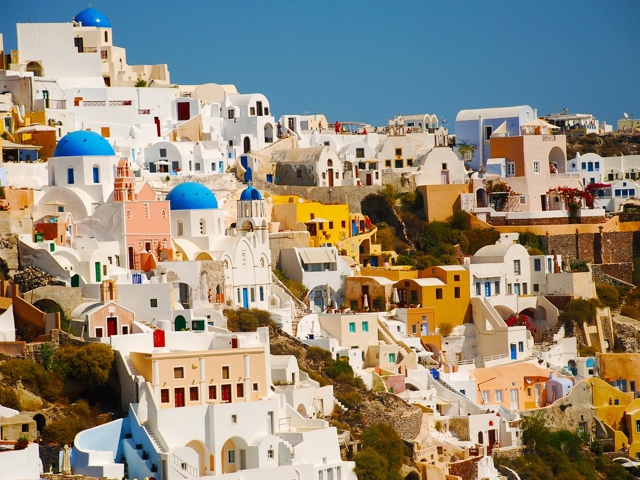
89, 50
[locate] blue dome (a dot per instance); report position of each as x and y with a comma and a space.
82, 143
250, 193
92, 18
191, 196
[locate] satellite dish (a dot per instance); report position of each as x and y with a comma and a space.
626, 115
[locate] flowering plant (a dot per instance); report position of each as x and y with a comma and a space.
496, 186
518, 320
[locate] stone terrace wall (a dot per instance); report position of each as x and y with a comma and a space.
596, 248
465, 469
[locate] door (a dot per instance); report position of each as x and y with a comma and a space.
513, 351
259, 108
247, 144
234, 342
330, 175
487, 289
221, 167
180, 324
184, 111
131, 256
402, 296
178, 394
245, 298
354, 228
514, 398
112, 326
226, 393
243, 459
368, 181
444, 177
291, 124
98, 272
537, 390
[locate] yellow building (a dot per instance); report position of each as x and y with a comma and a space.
326, 224
444, 288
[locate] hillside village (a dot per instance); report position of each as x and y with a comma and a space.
193, 288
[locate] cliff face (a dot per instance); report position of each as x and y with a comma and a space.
627, 335
608, 145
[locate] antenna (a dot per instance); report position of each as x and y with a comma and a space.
626, 115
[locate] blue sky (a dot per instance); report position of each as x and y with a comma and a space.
369, 60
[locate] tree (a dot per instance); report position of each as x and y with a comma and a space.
370, 465
141, 83
578, 311
384, 440
89, 364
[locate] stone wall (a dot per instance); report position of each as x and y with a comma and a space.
406, 422
460, 426
283, 240
612, 273
465, 469
596, 248
504, 221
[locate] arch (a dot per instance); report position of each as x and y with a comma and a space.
557, 156
186, 295
329, 163
302, 410
247, 144
204, 256
247, 226
268, 133
204, 286
40, 420
179, 324
129, 214
232, 462
163, 214
481, 198
96, 173
480, 438
504, 311
201, 450
36, 68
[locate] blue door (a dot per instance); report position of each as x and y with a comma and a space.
221, 167
245, 298
269, 178
513, 351
487, 289
354, 229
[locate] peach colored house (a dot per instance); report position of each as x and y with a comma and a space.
183, 379
55, 227
517, 386
532, 164
105, 319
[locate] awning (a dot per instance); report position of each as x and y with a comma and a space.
316, 255
6, 145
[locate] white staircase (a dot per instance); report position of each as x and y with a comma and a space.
337, 402
154, 440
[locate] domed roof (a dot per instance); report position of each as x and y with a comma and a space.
250, 193
92, 18
82, 143
191, 196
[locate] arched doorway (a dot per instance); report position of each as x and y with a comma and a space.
302, 410
180, 324
247, 144
198, 447
558, 159
41, 421
268, 133
234, 455
185, 295
36, 68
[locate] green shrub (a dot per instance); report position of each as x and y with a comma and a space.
445, 329
349, 399
89, 364
318, 355
339, 370
608, 294
579, 266
33, 377
578, 311
631, 312
385, 440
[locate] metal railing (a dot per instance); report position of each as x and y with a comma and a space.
89, 49
190, 469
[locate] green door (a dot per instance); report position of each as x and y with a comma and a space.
98, 272
197, 325
180, 324
75, 280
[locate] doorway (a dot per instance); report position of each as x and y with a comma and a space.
179, 397
112, 326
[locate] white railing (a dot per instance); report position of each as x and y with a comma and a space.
565, 175
491, 358
181, 464
548, 138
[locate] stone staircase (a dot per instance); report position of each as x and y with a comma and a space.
154, 440
289, 447
337, 402
388, 339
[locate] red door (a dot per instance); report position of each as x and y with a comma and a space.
330, 175
226, 393
179, 396
234, 342
184, 111
112, 326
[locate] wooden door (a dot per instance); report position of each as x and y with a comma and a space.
226, 393
179, 397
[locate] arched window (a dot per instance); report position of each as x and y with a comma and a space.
106, 36
164, 213
70, 176
129, 214
96, 174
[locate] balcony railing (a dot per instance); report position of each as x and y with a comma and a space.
565, 175
89, 49
144, 111
103, 54
548, 138
94, 103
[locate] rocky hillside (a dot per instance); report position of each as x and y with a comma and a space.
608, 145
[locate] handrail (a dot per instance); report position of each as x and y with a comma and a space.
183, 465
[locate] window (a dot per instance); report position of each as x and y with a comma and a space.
231, 454
525, 289
536, 167
444, 166
398, 152
232, 114
194, 394
521, 346
485, 396
516, 267
438, 294
392, 358
252, 111
180, 228
488, 130
255, 387
213, 392
537, 264
178, 372
163, 153
456, 278
509, 289
25, 428
536, 288
96, 174
409, 162
352, 327
343, 224
399, 163
197, 166
584, 165
240, 390
549, 268
359, 152
225, 373
330, 225
262, 294
365, 326
597, 165
299, 173
637, 426
414, 329
496, 285
516, 288
70, 176
511, 169
270, 453
478, 290
387, 163
153, 302
456, 292
497, 395
98, 332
